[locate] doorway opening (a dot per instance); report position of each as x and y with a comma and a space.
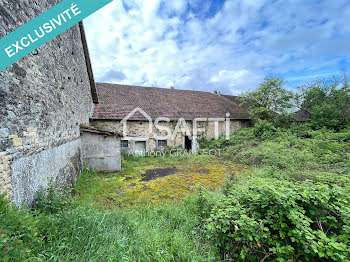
188, 143
140, 147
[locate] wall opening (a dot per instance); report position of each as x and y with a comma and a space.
188, 143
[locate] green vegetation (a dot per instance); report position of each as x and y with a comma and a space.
293, 153
270, 101
125, 188
83, 233
279, 192
295, 206
327, 104
82, 228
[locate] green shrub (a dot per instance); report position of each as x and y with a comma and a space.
268, 219
294, 206
20, 238
264, 129
52, 200
300, 152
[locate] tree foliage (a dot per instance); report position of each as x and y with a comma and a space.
271, 101
327, 102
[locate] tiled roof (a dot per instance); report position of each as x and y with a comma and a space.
117, 101
237, 100
97, 130
302, 115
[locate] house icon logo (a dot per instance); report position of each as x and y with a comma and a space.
131, 114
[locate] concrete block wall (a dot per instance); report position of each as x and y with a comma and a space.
43, 100
101, 152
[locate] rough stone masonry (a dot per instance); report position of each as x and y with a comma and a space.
43, 100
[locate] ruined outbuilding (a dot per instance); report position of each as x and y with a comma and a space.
100, 149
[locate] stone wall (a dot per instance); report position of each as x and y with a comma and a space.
59, 164
43, 99
141, 129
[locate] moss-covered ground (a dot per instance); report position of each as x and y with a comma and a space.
126, 188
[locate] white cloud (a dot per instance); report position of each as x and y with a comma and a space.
226, 75
155, 42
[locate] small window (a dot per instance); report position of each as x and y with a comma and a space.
125, 143
162, 143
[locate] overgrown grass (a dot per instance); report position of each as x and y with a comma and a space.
166, 233
83, 230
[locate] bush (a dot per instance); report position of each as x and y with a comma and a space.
20, 238
295, 204
264, 129
266, 219
52, 200
300, 152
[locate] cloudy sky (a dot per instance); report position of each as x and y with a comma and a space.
229, 45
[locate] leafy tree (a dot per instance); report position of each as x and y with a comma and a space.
344, 98
271, 101
328, 102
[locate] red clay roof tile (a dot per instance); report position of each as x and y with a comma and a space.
116, 101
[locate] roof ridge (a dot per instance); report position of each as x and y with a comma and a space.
155, 87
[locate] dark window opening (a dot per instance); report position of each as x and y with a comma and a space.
161, 143
125, 143
188, 143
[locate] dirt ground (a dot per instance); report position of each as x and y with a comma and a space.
158, 173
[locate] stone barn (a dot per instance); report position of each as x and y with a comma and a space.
138, 107
44, 98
